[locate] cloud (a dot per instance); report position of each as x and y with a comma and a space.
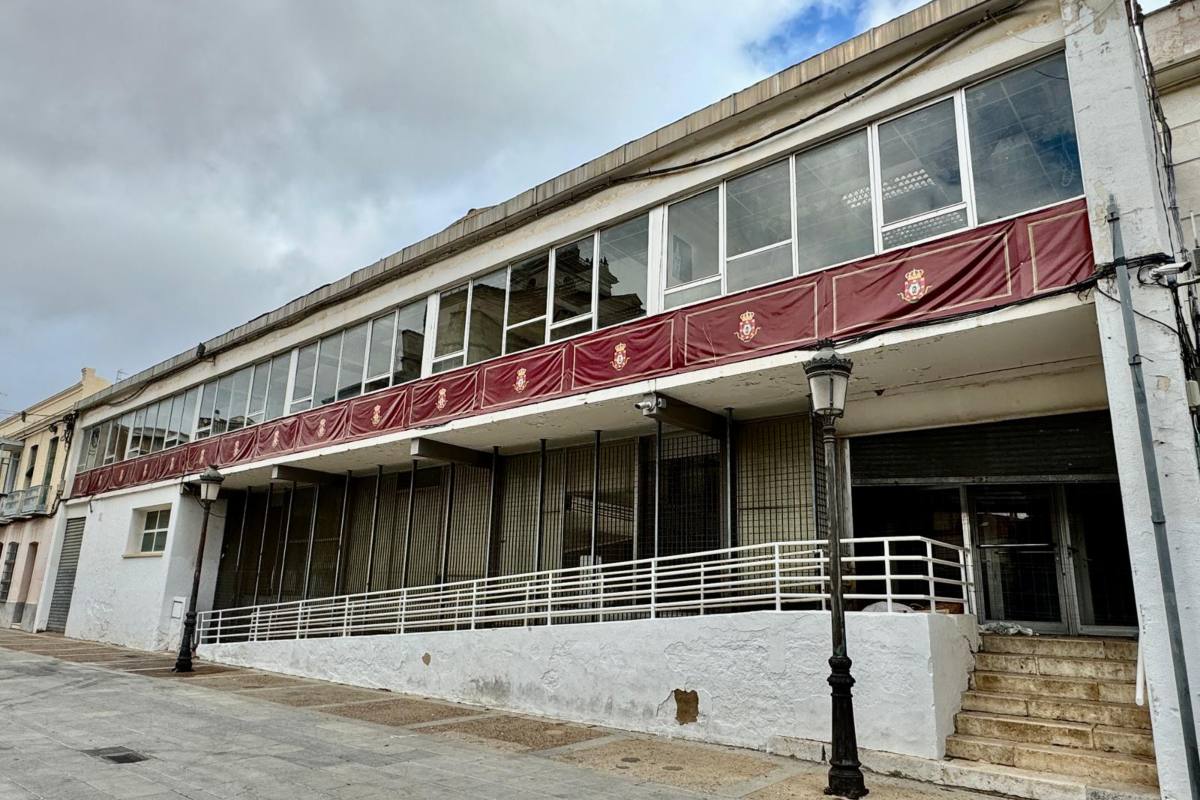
171, 170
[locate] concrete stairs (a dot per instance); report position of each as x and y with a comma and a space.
1057, 705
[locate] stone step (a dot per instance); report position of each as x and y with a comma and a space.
1117, 715
1097, 766
1057, 666
1057, 688
1037, 730
1061, 646
1027, 730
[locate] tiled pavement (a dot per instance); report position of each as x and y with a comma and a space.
236, 733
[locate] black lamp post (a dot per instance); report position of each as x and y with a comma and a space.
828, 377
210, 485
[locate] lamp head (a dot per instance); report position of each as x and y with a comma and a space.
210, 484
828, 378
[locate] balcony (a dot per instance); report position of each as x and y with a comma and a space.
26, 502
881, 574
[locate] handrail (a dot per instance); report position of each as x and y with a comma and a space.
778, 576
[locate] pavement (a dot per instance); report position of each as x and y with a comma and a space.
92, 721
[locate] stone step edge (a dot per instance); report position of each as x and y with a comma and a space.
1089, 727
1041, 698
971, 775
1057, 749
1070, 678
985, 637
1077, 659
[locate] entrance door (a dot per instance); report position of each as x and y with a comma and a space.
1021, 576
1100, 576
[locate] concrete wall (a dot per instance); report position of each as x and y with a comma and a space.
758, 675
128, 598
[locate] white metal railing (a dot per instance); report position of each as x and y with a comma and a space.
913, 570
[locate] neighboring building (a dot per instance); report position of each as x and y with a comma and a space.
34, 447
417, 497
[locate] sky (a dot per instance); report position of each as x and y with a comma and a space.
171, 170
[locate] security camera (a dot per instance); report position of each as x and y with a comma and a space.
1163, 270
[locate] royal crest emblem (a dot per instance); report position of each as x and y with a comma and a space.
121, 475
915, 286
275, 439
321, 427
376, 416
748, 328
522, 381
171, 463
203, 455
620, 357
441, 401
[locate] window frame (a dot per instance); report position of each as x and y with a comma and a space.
141, 529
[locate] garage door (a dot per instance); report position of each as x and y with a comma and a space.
64, 584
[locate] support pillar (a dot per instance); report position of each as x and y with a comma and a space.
1120, 165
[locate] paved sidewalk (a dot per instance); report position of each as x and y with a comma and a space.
235, 733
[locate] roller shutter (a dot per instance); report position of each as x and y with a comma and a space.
64, 583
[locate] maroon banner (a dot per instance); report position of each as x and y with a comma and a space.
624, 355
379, 412
536, 376
174, 463
750, 323
322, 426
276, 437
438, 399
975, 270
236, 447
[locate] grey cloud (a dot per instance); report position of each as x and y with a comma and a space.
169, 170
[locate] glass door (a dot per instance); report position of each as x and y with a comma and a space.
1021, 576
1099, 556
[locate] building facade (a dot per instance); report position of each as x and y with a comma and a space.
35, 451
539, 459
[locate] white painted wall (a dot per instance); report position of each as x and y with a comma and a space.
759, 675
1118, 156
127, 599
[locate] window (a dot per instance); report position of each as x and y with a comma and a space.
222, 404
450, 338
487, 317
920, 175
1023, 150
350, 370
833, 203
135, 433
277, 385
154, 531
328, 354
306, 370
621, 271
758, 227
161, 420
256, 408
51, 456
33, 451
574, 265
410, 342
379, 351
527, 284
204, 422
10, 562
693, 255
121, 443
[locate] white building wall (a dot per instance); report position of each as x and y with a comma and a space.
1119, 161
126, 598
759, 676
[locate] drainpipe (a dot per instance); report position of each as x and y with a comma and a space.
1158, 517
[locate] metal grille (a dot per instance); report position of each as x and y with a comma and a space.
266, 581
573, 508
774, 481
325, 540
389, 531
295, 545
690, 495
357, 547
617, 512
518, 538
64, 582
425, 547
466, 550
225, 594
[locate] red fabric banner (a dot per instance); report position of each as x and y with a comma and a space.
769, 320
236, 447
971, 271
378, 413
536, 376
624, 355
322, 426
440, 398
276, 437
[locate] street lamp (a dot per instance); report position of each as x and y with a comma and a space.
828, 377
210, 486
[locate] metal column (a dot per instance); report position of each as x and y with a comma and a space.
287, 530
408, 523
374, 524
658, 457
595, 495
730, 445
493, 520
448, 513
541, 506
312, 534
337, 564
